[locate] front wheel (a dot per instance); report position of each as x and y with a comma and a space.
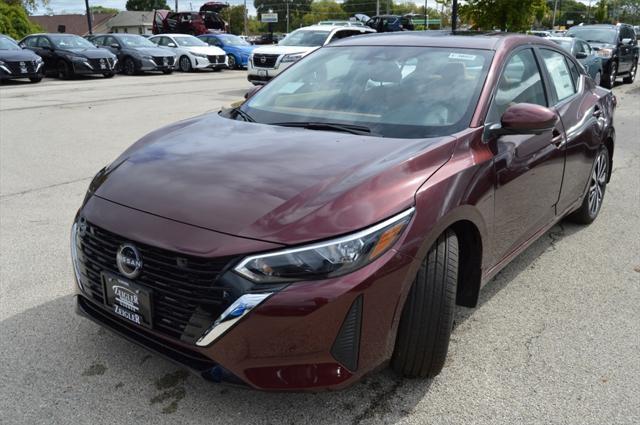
592, 202
129, 66
64, 72
185, 64
427, 317
632, 73
610, 79
598, 78
231, 60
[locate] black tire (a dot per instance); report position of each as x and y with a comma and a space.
64, 72
427, 317
108, 74
610, 79
185, 64
231, 61
632, 73
167, 71
35, 79
128, 66
597, 186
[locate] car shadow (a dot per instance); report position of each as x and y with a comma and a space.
70, 367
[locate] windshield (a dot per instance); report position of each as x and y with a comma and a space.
305, 38
233, 40
565, 44
135, 41
6, 44
70, 42
593, 35
393, 91
189, 41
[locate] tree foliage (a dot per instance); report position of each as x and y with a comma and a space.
297, 9
323, 10
505, 15
15, 22
102, 9
146, 5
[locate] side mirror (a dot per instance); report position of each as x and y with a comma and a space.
253, 90
115, 45
525, 118
171, 45
581, 55
627, 40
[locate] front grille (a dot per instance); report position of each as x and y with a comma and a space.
185, 300
159, 60
219, 59
16, 67
264, 61
96, 64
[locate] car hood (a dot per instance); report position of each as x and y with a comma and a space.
154, 51
602, 45
206, 50
18, 55
277, 184
89, 53
283, 50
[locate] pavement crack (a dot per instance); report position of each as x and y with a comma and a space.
380, 403
532, 340
555, 235
36, 189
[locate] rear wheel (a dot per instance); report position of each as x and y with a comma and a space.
610, 79
632, 73
185, 64
427, 317
592, 202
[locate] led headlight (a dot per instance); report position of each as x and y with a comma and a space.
292, 57
75, 259
200, 55
77, 58
325, 259
604, 53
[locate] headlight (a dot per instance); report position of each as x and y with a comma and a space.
292, 58
325, 259
39, 60
147, 57
604, 53
75, 258
77, 58
200, 55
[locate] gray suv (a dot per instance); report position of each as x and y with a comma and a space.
616, 45
137, 54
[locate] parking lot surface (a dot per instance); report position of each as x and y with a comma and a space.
554, 339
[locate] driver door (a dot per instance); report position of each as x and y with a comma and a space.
528, 167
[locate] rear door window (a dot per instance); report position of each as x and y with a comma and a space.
562, 79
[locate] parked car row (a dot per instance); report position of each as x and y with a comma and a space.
67, 55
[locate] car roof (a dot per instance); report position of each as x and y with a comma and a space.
570, 39
603, 26
490, 41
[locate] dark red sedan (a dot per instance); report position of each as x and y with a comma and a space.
331, 224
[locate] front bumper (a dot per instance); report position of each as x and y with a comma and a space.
152, 65
260, 75
11, 71
306, 336
94, 66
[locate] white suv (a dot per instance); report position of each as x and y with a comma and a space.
192, 53
268, 61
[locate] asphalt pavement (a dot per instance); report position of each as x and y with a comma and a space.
555, 338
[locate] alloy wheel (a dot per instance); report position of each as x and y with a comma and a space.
613, 74
232, 61
598, 78
632, 73
129, 67
185, 64
597, 184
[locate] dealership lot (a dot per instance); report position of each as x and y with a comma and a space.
554, 340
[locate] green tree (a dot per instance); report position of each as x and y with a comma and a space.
323, 10
28, 5
601, 14
15, 22
506, 15
362, 6
145, 5
234, 15
101, 9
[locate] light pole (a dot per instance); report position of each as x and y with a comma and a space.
287, 16
426, 27
555, 9
246, 32
176, 5
86, 3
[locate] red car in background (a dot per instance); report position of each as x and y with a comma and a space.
207, 20
330, 224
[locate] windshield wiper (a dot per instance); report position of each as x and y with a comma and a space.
345, 128
238, 112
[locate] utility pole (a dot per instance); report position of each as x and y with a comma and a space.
454, 15
287, 16
89, 24
176, 5
246, 32
377, 7
555, 10
426, 26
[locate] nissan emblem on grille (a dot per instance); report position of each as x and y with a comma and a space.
129, 260
263, 59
